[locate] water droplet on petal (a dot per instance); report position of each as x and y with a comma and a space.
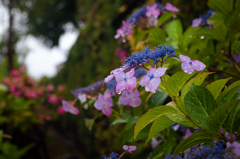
119, 92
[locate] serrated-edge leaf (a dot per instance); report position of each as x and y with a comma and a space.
174, 29
198, 138
176, 82
199, 104
139, 36
230, 95
219, 115
156, 36
164, 18
232, 125
221, 6
221, 95
164, 79
216, 86
152, 115
158, 125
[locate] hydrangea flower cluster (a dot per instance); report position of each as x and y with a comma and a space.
151, 81
202, 20
145, 16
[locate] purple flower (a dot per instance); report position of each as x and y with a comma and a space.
235, 147
125, 30
130, 98
130, 149
189, 65
104, 103
69, 107
152, 11
152, 80
171, 8
125, 81
196, 22
187, 134
155, 142
237, 58
113, 74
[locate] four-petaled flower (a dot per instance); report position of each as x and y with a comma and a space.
125, 30
152, 80
189, 65
130, 149
125, 81
130, 98
171, 8
113, 73
152, 11
235, 147
69, 107
104, 103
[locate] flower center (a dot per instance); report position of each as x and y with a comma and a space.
190, 62
151, 76
125, 79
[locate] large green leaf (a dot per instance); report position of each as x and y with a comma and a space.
230, 95
198, 138
216, 86
219, 115
181, 120
222, 6
157, 99
233, 120
221, 95
156, 37
188, 36
216, 19
152, 115
174, 29
163, 18
199, 104
139, 36
158, 125
176, 82
219, 32
196, 81
163, 83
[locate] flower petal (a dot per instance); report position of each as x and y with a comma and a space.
120, 76
107, 93
120, 86
130, 73
124, 100
197, 65
135, 94
107, 111
153, 85
160, 72
108, 78
236, 148
98, 105
131, 148
187, 68
131, 83
184, 59
144, 81
66, 106
74, 110
134, 102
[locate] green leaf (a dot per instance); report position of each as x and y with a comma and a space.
221, 95
233, 120
199, 104
198, 138
230, 95
176, 82
216, 86
188, 36
219, 115
196, 81
131, 121
163, 18
181, 120
203, 32
163, 83
216, 19
174, 29
158, 125
89, 123
152, 115
219, 32
156, 37
139, 36
221, 6
119, 121
157, 99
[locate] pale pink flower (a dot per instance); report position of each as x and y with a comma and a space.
53, 99
130, 98
130, 149
124, 31
125, 81
152, 80
235, 147
196, 22
155, 142
113, 73
69, 107
60, 111
50, 88
152, 11
189, 65
187, 134
22, 68
31, 94
171, 8
6, 80
60, 88
14, 73
104, 103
